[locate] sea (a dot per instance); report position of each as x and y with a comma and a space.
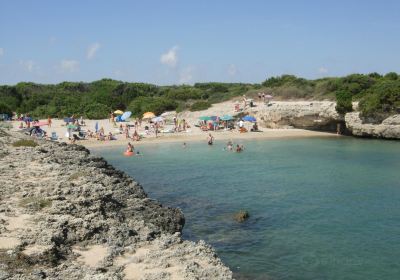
320, 208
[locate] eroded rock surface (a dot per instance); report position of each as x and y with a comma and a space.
318, 115
388, 129
65, 214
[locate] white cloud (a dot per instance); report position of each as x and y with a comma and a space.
1, 51
232, 71
170, 58
186, 75
92, 50
322, 70
28, 65
69, 65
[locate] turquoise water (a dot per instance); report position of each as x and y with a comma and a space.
320, 208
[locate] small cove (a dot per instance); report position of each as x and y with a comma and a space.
319, 208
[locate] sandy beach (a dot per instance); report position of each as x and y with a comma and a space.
191, 134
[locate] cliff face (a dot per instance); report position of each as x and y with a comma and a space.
388, 129
317, 115
322, 115
65, 214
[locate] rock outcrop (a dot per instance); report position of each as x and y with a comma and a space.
388, 129
65, 214
316, 115
322, 115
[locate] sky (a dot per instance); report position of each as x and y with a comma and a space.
183, 42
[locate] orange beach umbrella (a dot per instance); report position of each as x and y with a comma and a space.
148, 115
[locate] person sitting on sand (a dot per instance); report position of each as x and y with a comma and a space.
111, 136
210, 139
255, 128
130, 148
135, 136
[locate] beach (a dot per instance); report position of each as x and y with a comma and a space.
193, 133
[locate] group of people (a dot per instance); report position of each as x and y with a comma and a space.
180, 124
229, 146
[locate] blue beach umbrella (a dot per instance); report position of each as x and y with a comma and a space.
96, 127
126, 115
249, 119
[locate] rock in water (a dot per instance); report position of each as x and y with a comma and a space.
241, 216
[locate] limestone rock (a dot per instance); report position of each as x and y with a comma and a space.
388, 129
83, 209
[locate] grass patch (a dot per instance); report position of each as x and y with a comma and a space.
77, 175
35, 203
200, 105
25, 143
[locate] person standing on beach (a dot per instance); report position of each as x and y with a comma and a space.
49, 121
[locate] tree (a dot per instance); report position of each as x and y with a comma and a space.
5, 109
343, 102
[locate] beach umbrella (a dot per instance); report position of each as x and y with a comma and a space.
126, 115
71, 126
205, 118
249, 119
96, 126
148, 115
158, 119
118, 112
226, 118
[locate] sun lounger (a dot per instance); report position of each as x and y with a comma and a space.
54, 136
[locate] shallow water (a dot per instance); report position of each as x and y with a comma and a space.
319, 208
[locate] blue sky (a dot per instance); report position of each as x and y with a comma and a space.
174, 42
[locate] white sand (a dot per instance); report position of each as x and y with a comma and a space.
21, 221
91, 255
9, 242
35, 250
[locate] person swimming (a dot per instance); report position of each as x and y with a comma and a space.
229, 145
130, 148
238, 148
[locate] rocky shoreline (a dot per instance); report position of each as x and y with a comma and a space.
65, 214
322, 116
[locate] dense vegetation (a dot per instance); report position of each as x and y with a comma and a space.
379, 95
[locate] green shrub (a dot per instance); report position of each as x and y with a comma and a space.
157, 105
96, 111
25, 143
35, 203
200, 105
343, 102
381, 100
5, 109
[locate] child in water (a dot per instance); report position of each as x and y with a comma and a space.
130, 148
